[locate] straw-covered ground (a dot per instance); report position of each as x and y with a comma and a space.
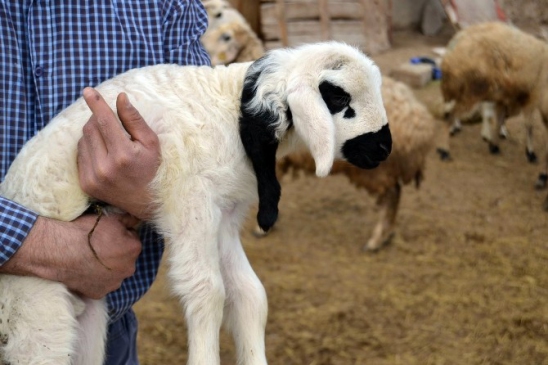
464, 281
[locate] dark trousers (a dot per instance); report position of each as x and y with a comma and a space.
122, 341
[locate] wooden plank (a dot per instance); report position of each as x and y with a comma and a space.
282, 22
251, 11
346, 9
324, 20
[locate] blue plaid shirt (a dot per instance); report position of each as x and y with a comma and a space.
49, 51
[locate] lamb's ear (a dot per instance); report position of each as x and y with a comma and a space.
258, 125
314, 124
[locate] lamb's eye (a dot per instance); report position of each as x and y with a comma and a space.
225, 37
335, 97
341, 100
218, 15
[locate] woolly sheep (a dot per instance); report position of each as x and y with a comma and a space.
220, 12
498, 63
232, 42
412, 128
220, 130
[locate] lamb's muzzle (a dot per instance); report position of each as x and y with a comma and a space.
370, 149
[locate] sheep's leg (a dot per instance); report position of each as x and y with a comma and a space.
543, 175
246, 307
443, 144
192, 238
487, 114
528, 116
384, 229
494, 116
92, 333
37, 322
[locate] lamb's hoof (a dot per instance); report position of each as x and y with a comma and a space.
444, 154
541, 181
494, 149
259, 232
531, 156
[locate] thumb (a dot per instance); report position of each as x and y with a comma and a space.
129, 221
133, 122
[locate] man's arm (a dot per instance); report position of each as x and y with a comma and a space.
114, 168
59, 251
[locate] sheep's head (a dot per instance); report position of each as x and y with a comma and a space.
331, 94
220, 12
224, 43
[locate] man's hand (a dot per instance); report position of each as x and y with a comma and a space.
60, 251
115, 164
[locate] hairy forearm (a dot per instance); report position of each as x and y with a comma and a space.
62, 251
40, 255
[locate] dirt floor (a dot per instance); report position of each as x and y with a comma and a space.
464, 281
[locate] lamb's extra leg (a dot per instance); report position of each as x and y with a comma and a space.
192, 243
384, 229
246, 304
92, 333
37, 322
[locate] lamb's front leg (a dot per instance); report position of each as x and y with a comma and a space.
246, 304
195, 274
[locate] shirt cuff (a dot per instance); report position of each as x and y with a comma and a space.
16, 222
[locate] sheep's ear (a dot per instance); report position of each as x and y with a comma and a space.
257, 132
314, 124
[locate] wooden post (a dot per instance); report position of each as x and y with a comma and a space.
282, 21
251, 10
325, 20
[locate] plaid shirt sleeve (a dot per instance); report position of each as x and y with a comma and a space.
51, 50
15, 223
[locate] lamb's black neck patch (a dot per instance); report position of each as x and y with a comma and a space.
336, 99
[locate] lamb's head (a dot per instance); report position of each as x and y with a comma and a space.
330, 93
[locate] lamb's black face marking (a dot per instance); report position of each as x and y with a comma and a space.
336, 99
370, 149
258, 137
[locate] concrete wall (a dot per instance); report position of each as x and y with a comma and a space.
406, 13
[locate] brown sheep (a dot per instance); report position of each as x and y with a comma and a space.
498, 63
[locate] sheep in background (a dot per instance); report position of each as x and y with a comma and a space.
498, 63
232, 42
220, 12
219, 130
412, 128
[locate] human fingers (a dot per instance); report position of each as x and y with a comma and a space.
134, 123
106, 120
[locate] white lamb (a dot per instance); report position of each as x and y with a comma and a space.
219, 130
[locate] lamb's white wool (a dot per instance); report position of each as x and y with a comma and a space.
219, 130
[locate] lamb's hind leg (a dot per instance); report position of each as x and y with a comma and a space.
192, 243
92, 328
384, 229
246, 308
37, 322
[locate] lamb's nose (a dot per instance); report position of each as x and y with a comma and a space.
370, 149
